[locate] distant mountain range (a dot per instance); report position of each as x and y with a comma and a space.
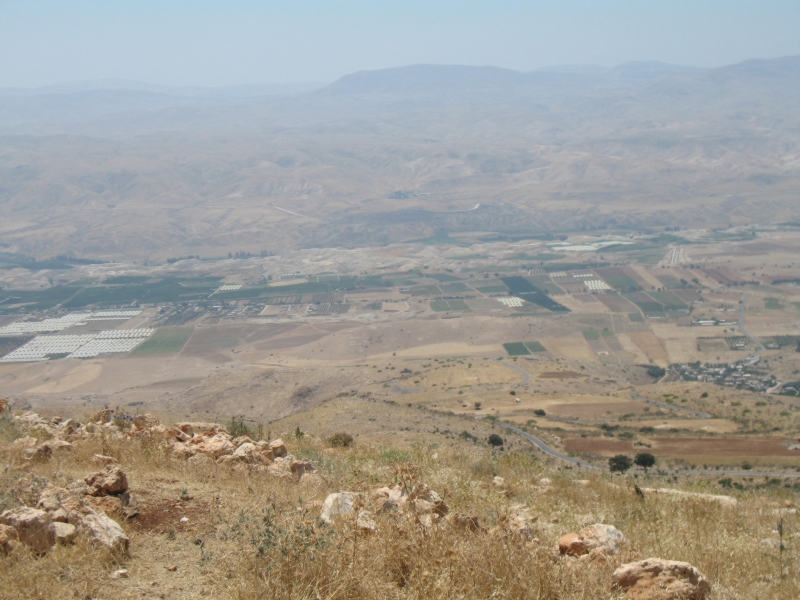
110, 169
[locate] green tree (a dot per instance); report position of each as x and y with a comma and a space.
645, 460
495, 440
620, 463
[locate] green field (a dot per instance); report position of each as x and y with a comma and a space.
455, 286
445, 305
773, 304
425, 290
669, 300
796, 305
516, 349
591, 334
166, 340
442, 276
535, 347
491, 288
636, 317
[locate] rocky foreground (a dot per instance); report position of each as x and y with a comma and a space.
423, 531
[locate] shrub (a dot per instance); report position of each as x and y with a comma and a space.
539, 412
237, 427
466, 435
620, 463
341, 440
645, 460
495, 440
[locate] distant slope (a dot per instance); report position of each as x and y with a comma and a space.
396, 155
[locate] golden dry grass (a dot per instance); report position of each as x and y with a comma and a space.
253, 536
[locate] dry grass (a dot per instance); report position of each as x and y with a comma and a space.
253, 536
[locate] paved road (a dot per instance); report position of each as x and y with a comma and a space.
696, 413
758, 344
517, 369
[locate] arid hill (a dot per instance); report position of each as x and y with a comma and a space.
397, 155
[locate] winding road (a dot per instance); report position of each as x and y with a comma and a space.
549, 450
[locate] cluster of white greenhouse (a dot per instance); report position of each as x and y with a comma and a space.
65, 322
43, 347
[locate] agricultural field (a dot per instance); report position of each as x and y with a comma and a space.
621, 279
516, 349
166, 340
448, 305
274, 348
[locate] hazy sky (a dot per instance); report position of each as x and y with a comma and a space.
224, 42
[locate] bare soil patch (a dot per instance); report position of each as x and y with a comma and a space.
560, 375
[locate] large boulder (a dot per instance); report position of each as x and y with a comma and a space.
100, 530
34, 527
340, 504
604, 538
658, 579
215, 446
111, 480
142, 422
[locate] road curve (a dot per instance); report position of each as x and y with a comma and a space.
517, 369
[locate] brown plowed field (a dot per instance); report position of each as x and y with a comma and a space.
560, 375
685, 447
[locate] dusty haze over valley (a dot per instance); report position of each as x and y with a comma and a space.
382, 157
438, 330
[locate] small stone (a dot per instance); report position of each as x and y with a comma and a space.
101, 459
120, 574
65, 533
104, 416
8, 539
111, 480
462, 521
365, 522
278, 448
172, 568
571, 544
142, 422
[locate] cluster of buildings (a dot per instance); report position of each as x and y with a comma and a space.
739, 375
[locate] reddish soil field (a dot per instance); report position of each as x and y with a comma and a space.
685, 447
560, 375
